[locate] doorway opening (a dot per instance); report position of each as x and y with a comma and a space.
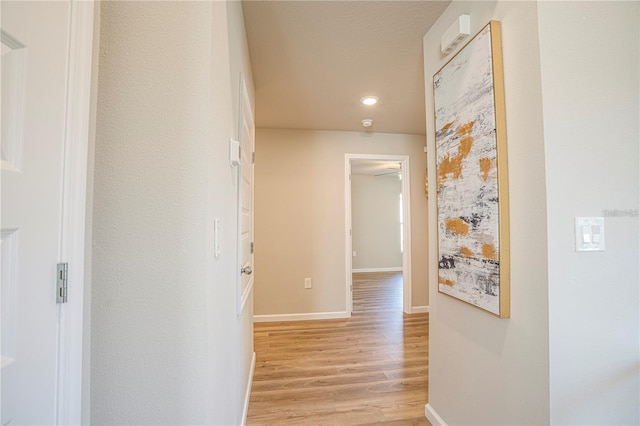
378, 225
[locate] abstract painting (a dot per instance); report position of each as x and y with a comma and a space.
471, 171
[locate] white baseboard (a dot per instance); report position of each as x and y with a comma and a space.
393, 269
419, 309
433, 416
247, 394
300, 317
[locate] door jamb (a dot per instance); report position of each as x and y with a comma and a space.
244, 111
74, 191
406, 212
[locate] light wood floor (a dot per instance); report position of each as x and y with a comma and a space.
368, 369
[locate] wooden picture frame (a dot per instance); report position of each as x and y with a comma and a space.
472, 194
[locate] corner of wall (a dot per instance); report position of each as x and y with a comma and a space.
478, 363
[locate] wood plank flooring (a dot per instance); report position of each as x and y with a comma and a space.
368, 369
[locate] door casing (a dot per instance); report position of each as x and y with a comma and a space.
406, 213
74, 191
246, 136
71, 242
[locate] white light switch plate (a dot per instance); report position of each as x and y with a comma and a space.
234, 152
589, 233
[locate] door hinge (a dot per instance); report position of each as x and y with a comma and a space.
253, 157
61, 283
251, 248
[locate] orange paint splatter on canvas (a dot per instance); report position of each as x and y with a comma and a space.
465, 146
465, 129
489, 251
485, 167
466, 252
449, 166
453, 166
445, 281
458, 226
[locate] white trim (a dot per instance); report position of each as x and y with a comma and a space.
433, 416
420, 309
300, 317
347, 236
394, 269
406, 211
247, 394
245, 114
406, 251
74, 189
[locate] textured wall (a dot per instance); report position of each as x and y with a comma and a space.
485, 370
375, 221
167, 344
300, 216
589, 57
570, 352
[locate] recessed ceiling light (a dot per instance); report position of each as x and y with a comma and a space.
369, 100
367, 122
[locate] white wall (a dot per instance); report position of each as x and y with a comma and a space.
569, 353
167, 345
589, 59
375, 221
485, 370
88, 259
300, 216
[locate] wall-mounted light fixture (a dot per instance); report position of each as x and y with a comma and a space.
457, 32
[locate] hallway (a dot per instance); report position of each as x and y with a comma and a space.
370, 368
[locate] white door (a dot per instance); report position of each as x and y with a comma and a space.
245, 197
35, 61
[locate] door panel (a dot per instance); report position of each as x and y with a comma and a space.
245, 196
35, 39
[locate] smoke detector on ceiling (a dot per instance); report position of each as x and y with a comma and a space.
367, 122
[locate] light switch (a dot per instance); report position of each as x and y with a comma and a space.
589, 233
234, 152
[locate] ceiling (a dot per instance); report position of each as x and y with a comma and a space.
313, 61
